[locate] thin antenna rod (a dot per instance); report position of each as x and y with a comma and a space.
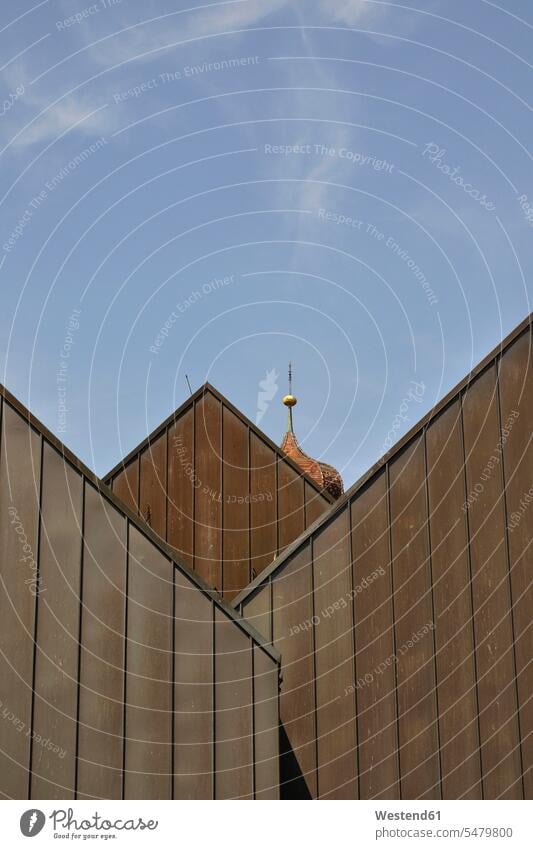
289, 402
188, 383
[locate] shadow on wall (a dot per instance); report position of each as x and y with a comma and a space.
292, 782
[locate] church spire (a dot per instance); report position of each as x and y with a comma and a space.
324, 475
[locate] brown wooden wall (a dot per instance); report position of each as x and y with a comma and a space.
404, 620
120, 675
234, 501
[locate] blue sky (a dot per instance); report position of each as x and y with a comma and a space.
216, 189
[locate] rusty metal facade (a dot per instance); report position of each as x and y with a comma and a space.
404, 618
121, 674
215, 488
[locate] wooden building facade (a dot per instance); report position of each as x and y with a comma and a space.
121, 674
218, 491
402, 612
404, 618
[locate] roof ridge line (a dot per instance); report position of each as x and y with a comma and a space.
208, 387
136, 520
418, 427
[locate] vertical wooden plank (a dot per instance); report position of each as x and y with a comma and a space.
208, 494
452, 593
257, 611
153, 499
266, 726
291, 504
233, 711
516, 397
180, 528
148, 743
56, 662
263, 532
374, 639
101, 697
292, 601
20, 470
236, 509
193, 703
335, 685
315, 504
126, 485
500, 752
418, 724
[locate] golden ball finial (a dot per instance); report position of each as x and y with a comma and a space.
289, 400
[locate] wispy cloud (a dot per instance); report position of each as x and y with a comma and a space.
351, 12
69, 115
45, 115
148, 38
38, 118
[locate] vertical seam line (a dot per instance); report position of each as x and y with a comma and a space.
356, 717
508, 555
36, 613
173, 694
253, 695
213, 696
80, 613
312, 564
469, 554
125, 676
393, 606
434, 639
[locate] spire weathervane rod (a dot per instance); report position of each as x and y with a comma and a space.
290, 401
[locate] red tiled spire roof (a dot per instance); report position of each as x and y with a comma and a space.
323, 474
